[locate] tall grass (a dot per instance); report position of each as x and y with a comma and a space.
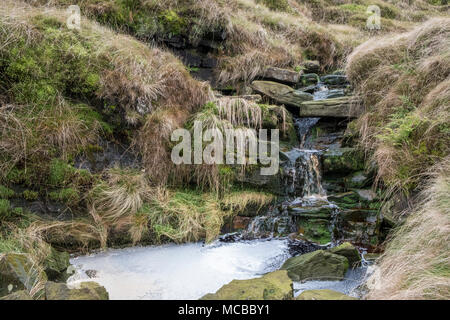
416, 263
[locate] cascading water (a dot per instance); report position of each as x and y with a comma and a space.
302, 185
189, 271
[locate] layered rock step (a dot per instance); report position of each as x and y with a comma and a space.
341, 107
338, 107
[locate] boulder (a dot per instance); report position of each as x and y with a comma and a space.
334, 80
317, 265
311, 66
349, 251
323, 294
341, 107
56, 264
281, 93
17, 273
18, 295
281, 75
84, 291
272, 286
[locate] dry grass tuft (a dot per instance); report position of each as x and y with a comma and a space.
403, 82
416, 262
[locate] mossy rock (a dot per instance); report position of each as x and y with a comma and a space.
272, 286
18, 295
349, 251
56, 264
17, 273
357, 199
342, 161
85, 291
315, 230
317, 265
323, 294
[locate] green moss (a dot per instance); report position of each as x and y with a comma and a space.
30, 195
69, 196
171, 22
316, 230
61, 174
6, 193
5, 208
353, 7
277, 5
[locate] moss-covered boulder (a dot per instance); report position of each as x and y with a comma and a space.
317, 265
349, 251
18, 273
342, 161
56, 264
323, 294
18, 295
85, 291
272, 286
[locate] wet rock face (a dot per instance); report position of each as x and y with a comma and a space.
272, 286
342, 161
323, 294
361, 226
317, 265
108, 155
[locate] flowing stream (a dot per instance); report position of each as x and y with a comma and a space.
190, 271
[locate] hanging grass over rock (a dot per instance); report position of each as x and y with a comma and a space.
48, 67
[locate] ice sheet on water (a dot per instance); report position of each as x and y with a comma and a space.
186, 271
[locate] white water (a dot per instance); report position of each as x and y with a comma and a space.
175, 272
